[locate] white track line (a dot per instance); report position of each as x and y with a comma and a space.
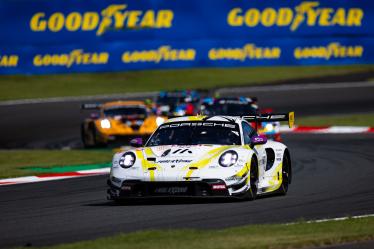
333, 219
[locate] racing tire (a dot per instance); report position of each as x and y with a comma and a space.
286, 175
89, 137
251, 193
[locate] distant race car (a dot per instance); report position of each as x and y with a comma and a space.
199, 156
177, 103
118, 121
236, 106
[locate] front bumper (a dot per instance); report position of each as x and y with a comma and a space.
142, 189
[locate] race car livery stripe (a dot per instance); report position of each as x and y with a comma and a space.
206, 160
327, 129
244, 170
276, 181
140, 156
196, 118
150, 165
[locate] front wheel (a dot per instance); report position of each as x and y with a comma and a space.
251, 193
286, 175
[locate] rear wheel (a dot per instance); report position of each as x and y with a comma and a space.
286, 175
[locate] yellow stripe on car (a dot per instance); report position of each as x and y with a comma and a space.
210, 155
276, 180
196, 118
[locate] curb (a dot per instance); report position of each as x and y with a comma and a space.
327, 129
54, 176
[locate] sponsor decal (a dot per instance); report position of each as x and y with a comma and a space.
181, 151
307, 13
75, 57
163, 53
171, 190
194, 124
332, 50
249, 51
174, 161
166, 152
113, 17
9, 60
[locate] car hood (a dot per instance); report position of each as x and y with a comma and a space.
176, 163
181, 157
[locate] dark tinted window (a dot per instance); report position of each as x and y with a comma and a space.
229, 109
189, 133
248, 132
125, 111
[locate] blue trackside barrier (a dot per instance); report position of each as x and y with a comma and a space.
63, 36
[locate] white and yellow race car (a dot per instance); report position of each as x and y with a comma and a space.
199, 156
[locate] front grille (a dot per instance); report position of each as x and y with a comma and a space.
159, 189
135, 127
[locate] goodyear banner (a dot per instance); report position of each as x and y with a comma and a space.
62, 36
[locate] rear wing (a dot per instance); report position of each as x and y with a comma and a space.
290, 117
94, 106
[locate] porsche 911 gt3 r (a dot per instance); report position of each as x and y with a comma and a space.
218, 156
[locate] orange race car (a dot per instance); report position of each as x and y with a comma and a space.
118, 122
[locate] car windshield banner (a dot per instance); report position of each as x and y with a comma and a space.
62, 36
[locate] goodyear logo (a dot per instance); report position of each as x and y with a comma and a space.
9, 60
248, 51
163, 53
75, 57
308, 13
115, 16
332, 50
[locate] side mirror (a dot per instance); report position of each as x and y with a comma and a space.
136, 142
258, 139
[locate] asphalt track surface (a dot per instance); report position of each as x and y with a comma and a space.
333, 177
57, 124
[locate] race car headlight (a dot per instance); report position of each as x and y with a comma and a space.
228, 158
105, 124
127, 160
159, 121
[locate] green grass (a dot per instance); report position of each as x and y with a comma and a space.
13, 162
339, 120
43, 86
255, 236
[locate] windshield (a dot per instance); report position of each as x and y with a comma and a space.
193, 133
125, 111
229, 109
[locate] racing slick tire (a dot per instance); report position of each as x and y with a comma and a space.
286, 174
89, 136
251, 193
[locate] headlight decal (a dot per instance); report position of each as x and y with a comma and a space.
127, 160
228, 158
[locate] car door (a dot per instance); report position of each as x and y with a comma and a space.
259, 150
